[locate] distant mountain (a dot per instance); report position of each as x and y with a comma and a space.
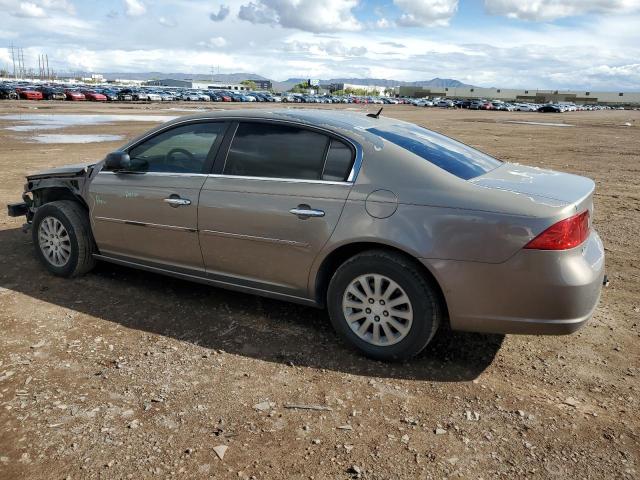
281, 86
383, 82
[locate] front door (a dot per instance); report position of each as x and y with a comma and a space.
275, 203
149, 212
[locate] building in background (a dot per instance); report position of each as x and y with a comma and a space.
199, 85
169, 82
218, 86
516, 95
261, 84
371, 89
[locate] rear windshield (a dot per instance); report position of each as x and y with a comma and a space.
454, 157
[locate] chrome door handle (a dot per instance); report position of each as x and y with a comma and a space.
304, 211
177, 202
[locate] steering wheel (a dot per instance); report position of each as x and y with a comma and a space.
188, 164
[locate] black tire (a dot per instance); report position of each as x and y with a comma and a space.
75, 220
425, 302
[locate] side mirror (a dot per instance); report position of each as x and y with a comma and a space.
117, 161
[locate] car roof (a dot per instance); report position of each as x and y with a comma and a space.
331, 119
353, 125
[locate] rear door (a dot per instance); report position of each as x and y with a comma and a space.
150, 212
273, 204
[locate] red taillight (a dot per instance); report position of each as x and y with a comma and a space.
565, 234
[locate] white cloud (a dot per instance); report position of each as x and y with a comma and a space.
308, 15
426, 13
332, 49
167, 22
214, 42
545, 10
30, 10
37, 8
134, 8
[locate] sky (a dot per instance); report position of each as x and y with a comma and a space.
560, 44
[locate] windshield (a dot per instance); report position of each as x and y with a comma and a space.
454, 157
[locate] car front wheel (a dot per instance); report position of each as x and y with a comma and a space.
382, 303
62, 237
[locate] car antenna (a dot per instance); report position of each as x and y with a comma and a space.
375, 115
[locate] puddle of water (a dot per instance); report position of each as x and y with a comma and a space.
176, 109
36, 121
61, 138
31, 128
546, 124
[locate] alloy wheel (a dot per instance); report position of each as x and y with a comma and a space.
377, 309
54, 241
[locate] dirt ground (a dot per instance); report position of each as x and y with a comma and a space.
127, 374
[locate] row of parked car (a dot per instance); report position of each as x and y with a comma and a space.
161, 94
479, 104
113, 94
27, 91
362, 99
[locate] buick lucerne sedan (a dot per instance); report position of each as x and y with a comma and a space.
394, 228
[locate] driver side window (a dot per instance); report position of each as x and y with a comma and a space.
180, 150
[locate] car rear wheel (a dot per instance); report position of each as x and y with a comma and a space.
63, 240
384, 305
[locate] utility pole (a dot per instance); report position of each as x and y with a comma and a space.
48, 74
23, 71
13, 59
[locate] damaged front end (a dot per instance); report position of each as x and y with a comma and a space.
62, 183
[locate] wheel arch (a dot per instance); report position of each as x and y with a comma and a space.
342, 253
51, 193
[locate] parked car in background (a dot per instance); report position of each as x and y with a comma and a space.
29, 93
492, 246
129, 94
166, 96
111, 95
149, 96
74, 95
93, 96
52, 93
476, 104
124, 96
445, 104
195, 96
8, 92
503, 107
551, 108
526, 107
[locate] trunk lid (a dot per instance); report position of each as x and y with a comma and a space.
541, 183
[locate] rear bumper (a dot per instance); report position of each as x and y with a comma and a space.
535, 292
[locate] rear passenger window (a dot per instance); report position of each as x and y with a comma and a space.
338, 163
276, 151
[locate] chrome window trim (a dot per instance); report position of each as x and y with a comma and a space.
351, 178
221, 175
278, 179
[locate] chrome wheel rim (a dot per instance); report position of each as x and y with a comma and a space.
54, 241
377, 310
